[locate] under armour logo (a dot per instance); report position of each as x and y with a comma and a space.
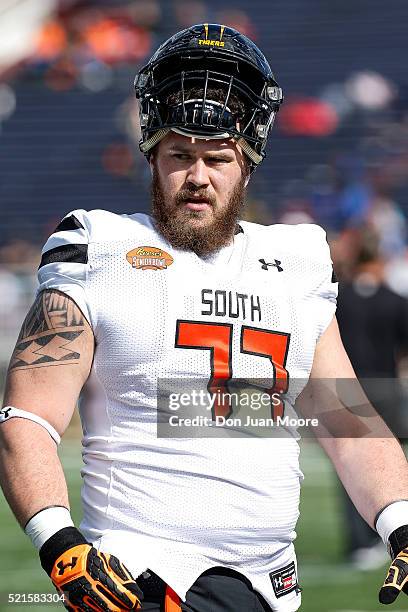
277, 264
5, 412
63, 566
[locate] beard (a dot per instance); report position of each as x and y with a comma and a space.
182, 227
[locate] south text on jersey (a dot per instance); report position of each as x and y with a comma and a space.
231, 304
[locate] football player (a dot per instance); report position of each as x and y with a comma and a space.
131, 308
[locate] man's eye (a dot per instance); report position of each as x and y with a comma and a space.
182, 156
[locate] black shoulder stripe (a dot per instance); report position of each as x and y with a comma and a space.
67, 253
334, 277
69, 223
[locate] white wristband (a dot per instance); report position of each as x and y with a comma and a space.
393, 516
45, 523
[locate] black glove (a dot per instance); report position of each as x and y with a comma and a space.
397, 577
88, 579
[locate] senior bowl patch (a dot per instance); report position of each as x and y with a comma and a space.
149, 258
284, 580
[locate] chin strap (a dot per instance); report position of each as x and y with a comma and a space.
249, 151
153, 141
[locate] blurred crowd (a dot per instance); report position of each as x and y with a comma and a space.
69, 133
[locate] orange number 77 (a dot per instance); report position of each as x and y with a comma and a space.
217, 338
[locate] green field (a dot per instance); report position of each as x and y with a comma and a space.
329, 585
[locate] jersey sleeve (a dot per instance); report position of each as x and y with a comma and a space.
325, 289
64, 260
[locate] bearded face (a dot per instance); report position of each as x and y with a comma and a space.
198, 191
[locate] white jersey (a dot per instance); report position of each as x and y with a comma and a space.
254, 310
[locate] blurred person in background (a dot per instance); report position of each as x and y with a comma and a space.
126, 300
373, 322
385, 215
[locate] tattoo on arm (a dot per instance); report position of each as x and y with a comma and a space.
50, 333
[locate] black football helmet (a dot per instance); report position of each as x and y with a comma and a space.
202, 58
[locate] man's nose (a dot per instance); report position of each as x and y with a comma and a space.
197, 174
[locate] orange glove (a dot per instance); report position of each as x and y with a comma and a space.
90, 580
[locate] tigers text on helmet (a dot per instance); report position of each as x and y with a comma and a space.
208, 81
